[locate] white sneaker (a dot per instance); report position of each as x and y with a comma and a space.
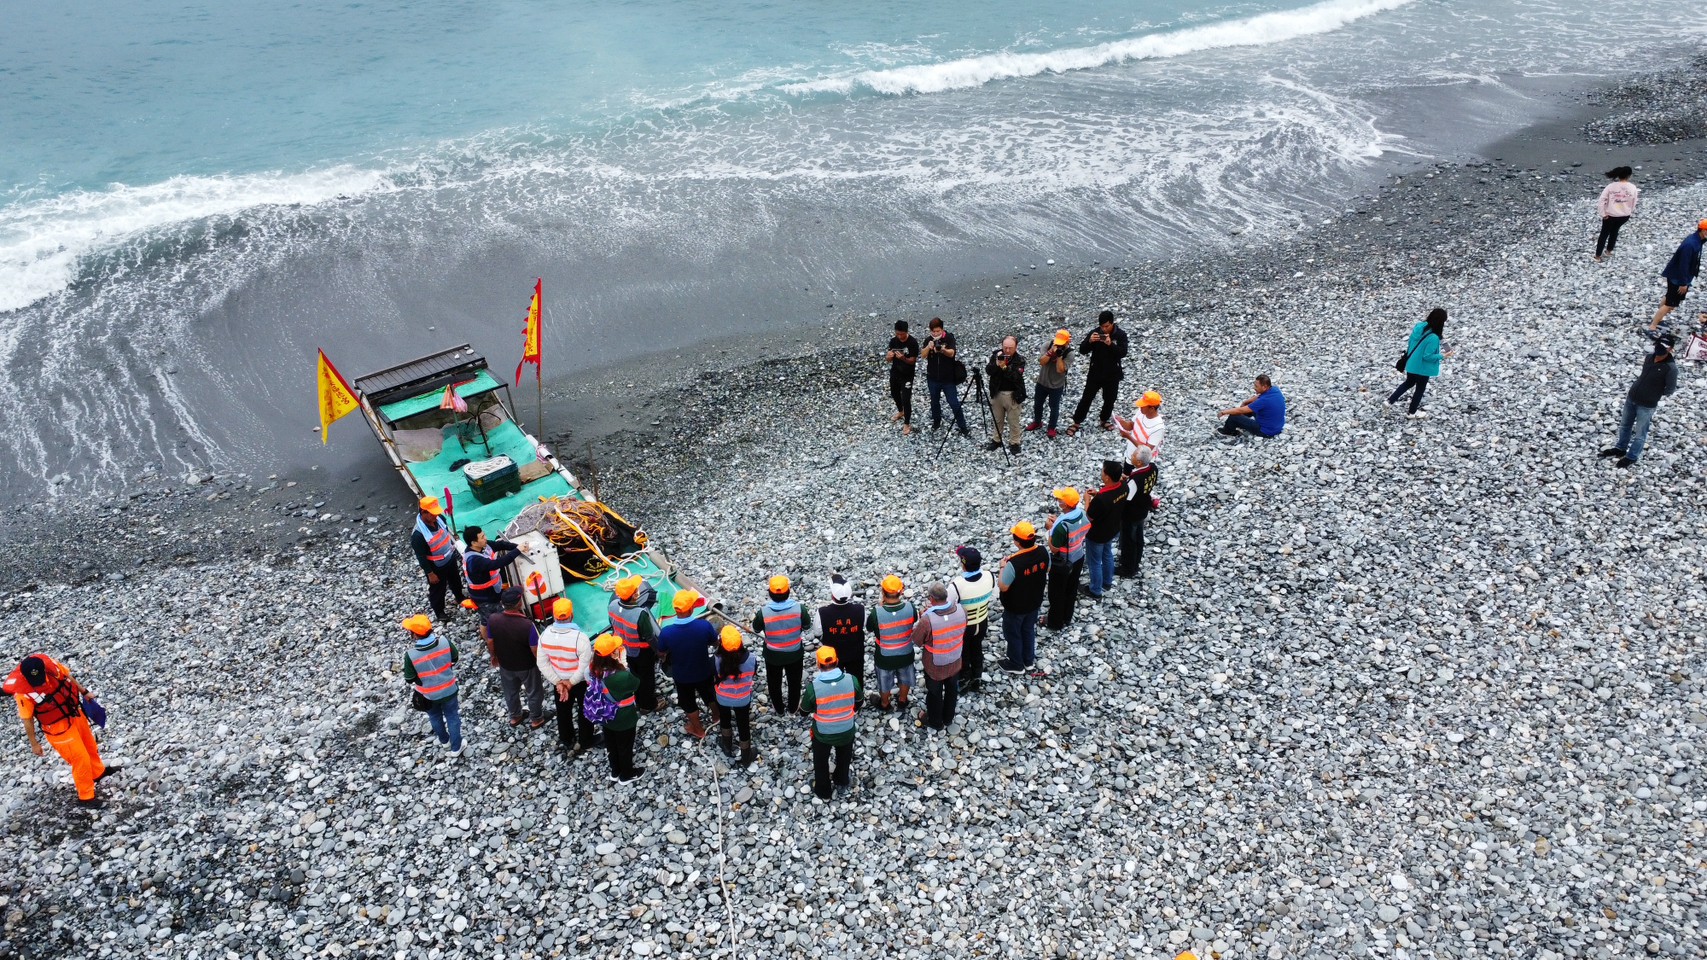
457, 752
1419, 415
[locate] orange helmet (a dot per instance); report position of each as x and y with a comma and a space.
779, 584
1023, 530
607, 645
627, 587
826, 657
418, 625
893, 584
730, 639
563, 608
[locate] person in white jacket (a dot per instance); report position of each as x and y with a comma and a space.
1617, 203
1145, 429
563, 657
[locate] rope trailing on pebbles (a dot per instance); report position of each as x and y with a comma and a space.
722, 880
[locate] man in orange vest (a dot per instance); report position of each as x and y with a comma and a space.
435, 549
47, 697
483, 564
941, 634
831, 700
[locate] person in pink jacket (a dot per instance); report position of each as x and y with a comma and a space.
1617, 203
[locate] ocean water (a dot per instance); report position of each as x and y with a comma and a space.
193, 198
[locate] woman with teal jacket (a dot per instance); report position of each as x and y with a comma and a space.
1421, 360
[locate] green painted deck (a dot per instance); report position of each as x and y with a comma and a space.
483, 382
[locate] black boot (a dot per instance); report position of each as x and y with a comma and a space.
726, 742
748, 754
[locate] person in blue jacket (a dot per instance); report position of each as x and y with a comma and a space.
1263, 414
1421, 361
1680, 273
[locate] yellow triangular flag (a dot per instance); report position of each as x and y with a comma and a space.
336, 397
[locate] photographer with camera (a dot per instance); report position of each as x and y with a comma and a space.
1106, 346
903, 357
1006, 371
1051, 381
943, 375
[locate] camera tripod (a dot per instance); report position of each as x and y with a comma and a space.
974, 386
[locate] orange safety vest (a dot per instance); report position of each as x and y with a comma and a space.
439, 543
435, 671
565, 658
834, 712
737, 691
57, 702
490, 583
895, 629
947, 637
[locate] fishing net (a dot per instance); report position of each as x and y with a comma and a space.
591, 538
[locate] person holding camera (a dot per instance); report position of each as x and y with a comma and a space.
1106, 346
903, 357
943, 375
1051, 381
1006, 371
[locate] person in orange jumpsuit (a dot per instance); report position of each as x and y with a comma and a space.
49, 698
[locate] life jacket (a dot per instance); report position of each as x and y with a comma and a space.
492, 580
737, 691
1078, 526
1031, 575
782, 626
440, 545
58, 701
975, 590
435, 671
834, 712
625, 623
948, 633
562, 645
895, 629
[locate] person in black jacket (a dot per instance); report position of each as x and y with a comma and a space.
841, 625
1657, 381
1141, 476
1106, 346
903, 357
483, 564
1105, 513
1006, 371
940, 370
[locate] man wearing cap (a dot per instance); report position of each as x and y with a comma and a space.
435, 549
1106, 346
1051, 382
564, 655
430, 669
940, 368
1067, 535
973, 590
1679, 273
941, 634
48, 697
1145, 429
892, 622
1105, 514
623, 729
1657, 381
903, 357
632, 621
1138, 500
832, 700
1006, 371
784, 623
685, 646
1021, 579
513, 642
1264, 414
482, 566
841, 625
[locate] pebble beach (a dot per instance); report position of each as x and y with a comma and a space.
1387, 688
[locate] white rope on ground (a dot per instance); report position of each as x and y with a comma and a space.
722, 880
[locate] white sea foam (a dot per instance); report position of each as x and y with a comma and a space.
1260, 30
44, 242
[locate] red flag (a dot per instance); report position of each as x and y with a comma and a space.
453, 400
530, 341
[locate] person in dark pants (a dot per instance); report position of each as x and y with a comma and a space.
1679, 273
1617, 203
633, 622
1067, 535
1021, 579
1141, 476
903, 357
482, 566
621, 732
841, 625
564, 655
939, 376
513, 642
1105, 513
832, 698
973, 590
1106, 346
1264, 414
735, 671
1422, 360
783, 623
685, 646
1657, 381
1051, 383
435, 549
941, 634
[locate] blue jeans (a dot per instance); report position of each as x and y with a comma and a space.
1239, 421
939, 389
1020, 631
1051, 394
1633, 429
1099, 557
446, 719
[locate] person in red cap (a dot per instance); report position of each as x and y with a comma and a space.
48, 697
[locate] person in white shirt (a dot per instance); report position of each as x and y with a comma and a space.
1145, 429
563, 657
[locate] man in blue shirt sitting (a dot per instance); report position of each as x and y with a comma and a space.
1263, 414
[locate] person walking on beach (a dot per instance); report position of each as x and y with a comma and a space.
1106, 346
892, 622
1421, 361
1146, 428
513, 642
563, 657
941, 633
48, 697
430, 670
482, 566
841, 625
903, 357
783, 622
611, 688
632, 621
1657, 381
1680, 273
1021, 578
1140, 476
942, 375
973, 590
1067, 536
1617, 203
435, 550
735, 671
1264, 414
1051, 382
1006, 371
685, 646
1105, 513
832, 699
